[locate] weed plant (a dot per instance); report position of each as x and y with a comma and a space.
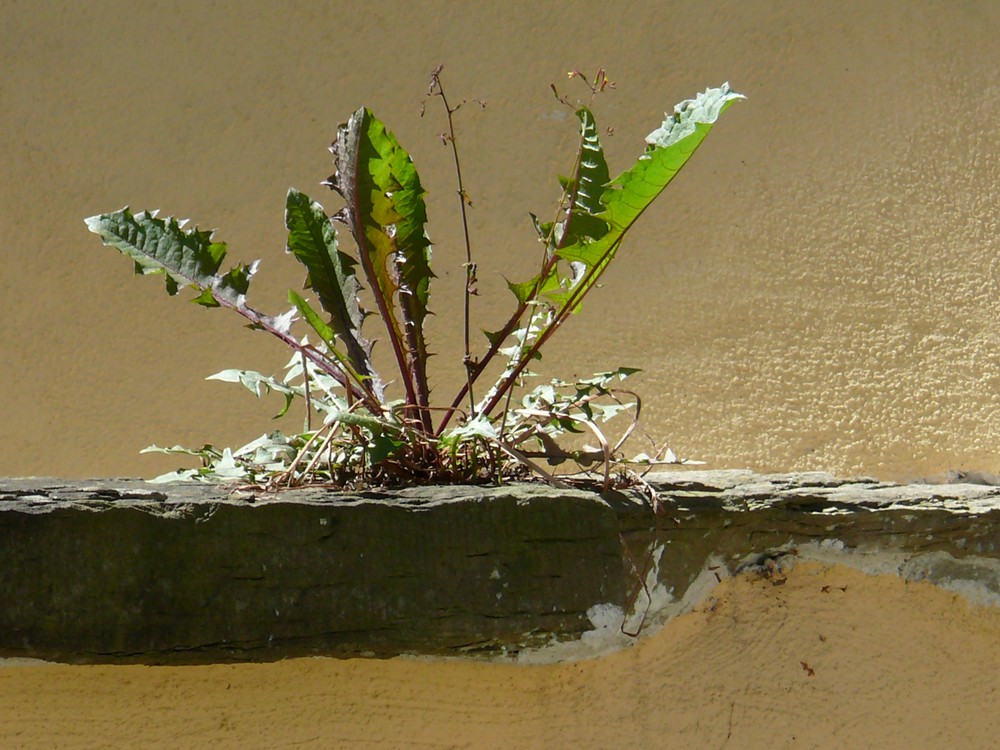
369, 435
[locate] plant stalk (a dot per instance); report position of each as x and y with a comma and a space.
470, 269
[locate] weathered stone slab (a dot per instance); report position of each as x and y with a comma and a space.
121, 570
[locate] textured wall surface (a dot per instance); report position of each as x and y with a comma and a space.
817, 290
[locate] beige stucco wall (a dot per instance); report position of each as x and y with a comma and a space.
818, 289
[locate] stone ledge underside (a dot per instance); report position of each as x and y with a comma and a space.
125, 571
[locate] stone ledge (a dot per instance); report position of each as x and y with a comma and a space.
125, 571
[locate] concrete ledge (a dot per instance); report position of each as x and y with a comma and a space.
125, 571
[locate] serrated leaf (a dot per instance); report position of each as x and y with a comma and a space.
582, 220
227, 468
386, 214
313, 241
592, 229
669, 148
270, 452
628, 195
185, 257
478, 428
607, 412
588, 184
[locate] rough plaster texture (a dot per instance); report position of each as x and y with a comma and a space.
817, 291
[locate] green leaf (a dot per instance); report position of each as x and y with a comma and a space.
587, 186
310, 316
478, 428
704, 109
581, 221
590, 231
312, 240
526, 291
186, 258
386, 214
668, 149
381, 447
543, 229
494, 337
327, 335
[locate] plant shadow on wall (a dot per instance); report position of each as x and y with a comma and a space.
365, 436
